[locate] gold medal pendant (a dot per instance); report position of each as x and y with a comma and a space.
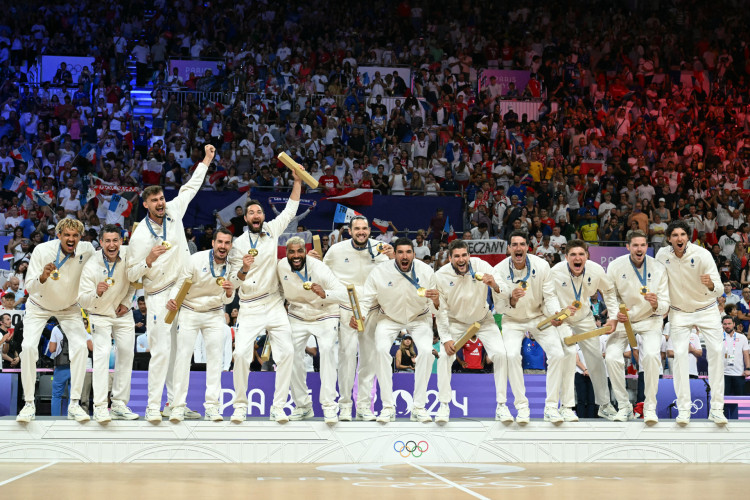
421, 291
166, 244
644, 290
380, 248
110, 281
55, 275
479, 276
577, 304
523, 285
220, 281
307, 285
253, 252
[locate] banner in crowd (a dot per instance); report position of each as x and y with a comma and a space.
473, 394
5, 264
367, 74
74, 64
493, 251
187, 66
505, 77
604, 255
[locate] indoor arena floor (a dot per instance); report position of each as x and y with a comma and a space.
413, 480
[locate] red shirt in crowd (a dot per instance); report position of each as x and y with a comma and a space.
472, 351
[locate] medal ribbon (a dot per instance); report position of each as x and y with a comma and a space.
576, 293
59, 264
110, 272
151, 228
413, 280
642, 279
252, 243
304, 278
528, 271
369, 248
211, 263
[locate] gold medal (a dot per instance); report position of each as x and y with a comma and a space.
166, 244
644, 290
421, 291
523, 285
55, 275
220, 281
380, 248
110, 281
479, 276
253, 252
307, 285
577, 304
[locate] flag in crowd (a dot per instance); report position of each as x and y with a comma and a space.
380, 224
22, 153
13, 183
120, 206
42, 199
344, 214
354, 196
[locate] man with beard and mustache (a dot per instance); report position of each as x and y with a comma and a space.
531, 299
463, 284
313, 294
158, 252
577, 279
202, 312
694, 286
405, 291
52, 282
641, 283
352, 261
253, 261
107, 295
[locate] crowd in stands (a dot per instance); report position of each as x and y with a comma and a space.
656, 99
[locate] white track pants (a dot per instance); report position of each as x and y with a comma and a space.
103, 330
162, 343
325, 332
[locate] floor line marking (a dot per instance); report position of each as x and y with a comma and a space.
448, 481
27, 473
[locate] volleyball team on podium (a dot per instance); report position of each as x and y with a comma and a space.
396, 292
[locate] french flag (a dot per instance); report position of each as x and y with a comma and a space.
7, 257
380, 224
120, 206
344, 214
354, 196
22, 153
88, 151
42, 199
13, 183
448, 230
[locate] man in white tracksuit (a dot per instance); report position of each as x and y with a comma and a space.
577, 279
641, 284
313, 294
694, 286
352, 261
405, 290
463, 284
158, 252
52, 281
202, 312
253, 261
107, 295
532, 298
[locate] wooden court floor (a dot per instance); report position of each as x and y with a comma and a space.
414, 480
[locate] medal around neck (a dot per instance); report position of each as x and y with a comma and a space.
644, 290
253, 252
166, 244
307, 285
479, 276
380, 248
422, 291
220, 281
577, 304
109, 281
55, 275
523, 285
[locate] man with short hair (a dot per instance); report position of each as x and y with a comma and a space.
253, 262
694, 286
106, 294
531, 299
313, 294
405, 291
53, 291
641, 284
576, 279
158, 252
736, 362
352, 261
202, 311
463, 284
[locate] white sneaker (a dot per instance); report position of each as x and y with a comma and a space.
387, 415
177, 414
649, 417
153, 415
420, 415
239, 415
101, 414
552, 414
121, 412
568, 414
443, 413
365, 414
624, 414
683, 417
502, 413
278, 415
607, 411
301, 413
523, 415
27, 413
345, 412
717, 417
212, 414
331, 415
191, 415
75, 412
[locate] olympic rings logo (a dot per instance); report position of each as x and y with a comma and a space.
412, 448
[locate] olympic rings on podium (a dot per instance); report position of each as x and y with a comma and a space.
412, 448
